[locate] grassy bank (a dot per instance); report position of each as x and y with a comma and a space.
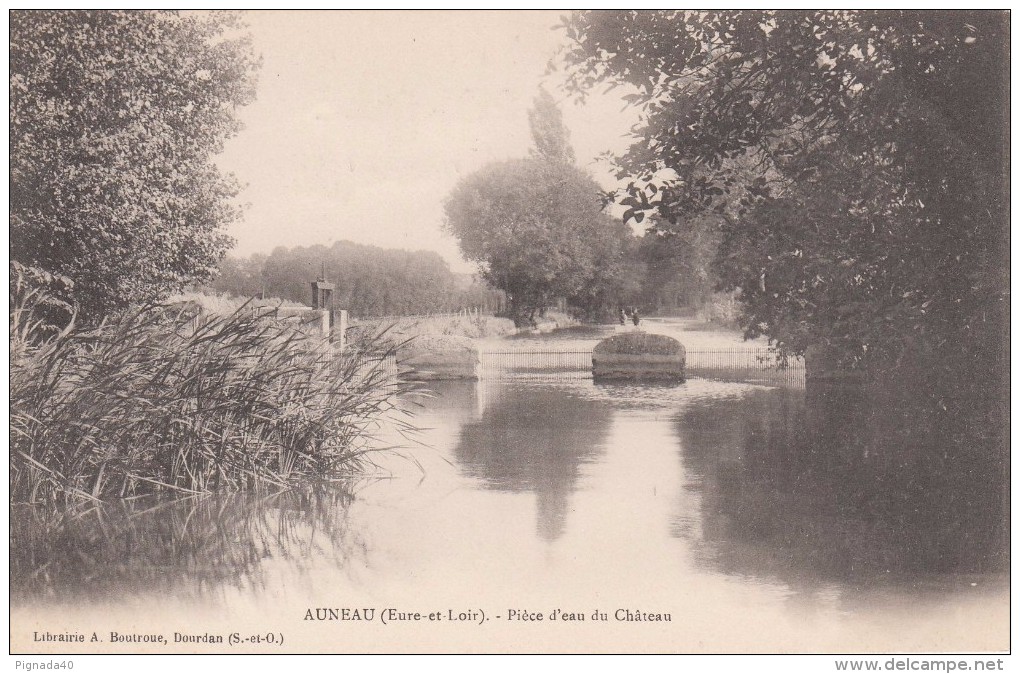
399, 329
168, 398
222, 303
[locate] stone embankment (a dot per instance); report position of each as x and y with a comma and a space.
438, 357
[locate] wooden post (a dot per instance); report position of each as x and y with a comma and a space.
322, 299
341, 329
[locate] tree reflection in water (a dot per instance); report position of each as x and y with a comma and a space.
846, 484
533, 439
195, 546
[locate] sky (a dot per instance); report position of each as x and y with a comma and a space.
365, 121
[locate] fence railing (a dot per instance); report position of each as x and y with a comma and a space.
496, 364
759, 365
754, 364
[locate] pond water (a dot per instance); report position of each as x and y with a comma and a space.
758, 519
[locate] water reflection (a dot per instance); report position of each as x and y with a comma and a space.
188, 547
832, 521
534, 439
840, 485
453, 402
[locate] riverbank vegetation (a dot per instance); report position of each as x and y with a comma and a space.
165, 398
116, 205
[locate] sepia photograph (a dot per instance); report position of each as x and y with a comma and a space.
647, 332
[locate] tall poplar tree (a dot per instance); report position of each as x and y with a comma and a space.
536, 225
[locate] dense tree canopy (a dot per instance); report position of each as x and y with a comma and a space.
369, 281
242, 277
857, 159
537, 228
114, 118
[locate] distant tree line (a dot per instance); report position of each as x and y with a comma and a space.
370, 281
537, 228
658, 272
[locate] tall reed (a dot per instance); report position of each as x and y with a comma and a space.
166, 398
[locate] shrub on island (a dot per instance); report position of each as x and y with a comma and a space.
639, 356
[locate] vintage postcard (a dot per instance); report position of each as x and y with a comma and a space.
510, 332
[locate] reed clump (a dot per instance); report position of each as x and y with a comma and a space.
166, 398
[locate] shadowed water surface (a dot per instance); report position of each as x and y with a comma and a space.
759, 519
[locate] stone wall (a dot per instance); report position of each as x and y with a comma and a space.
435, 357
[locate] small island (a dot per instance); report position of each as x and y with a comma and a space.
638, 356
